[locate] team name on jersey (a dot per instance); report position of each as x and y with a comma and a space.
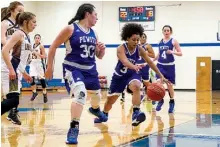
87, 39
164, 47
132, 60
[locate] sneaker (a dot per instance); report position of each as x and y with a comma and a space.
34, 95
45, 98
101, 116
159, 105
138, 117
72, 136
102, 119
171, 108
13, 117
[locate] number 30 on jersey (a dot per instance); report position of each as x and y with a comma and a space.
88, 51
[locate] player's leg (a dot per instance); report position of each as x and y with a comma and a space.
12, 91
74, 84
171, 77
163, 71
134, 84
44, 86
34, 88
42, 81
117, 86
145, 79
33, 74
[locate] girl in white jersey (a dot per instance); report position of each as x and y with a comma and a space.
8, 27
37, 67
20, 42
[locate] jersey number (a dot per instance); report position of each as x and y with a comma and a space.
34, 56
124, 70
87, 51
164, 55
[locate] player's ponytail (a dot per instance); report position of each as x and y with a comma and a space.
17, 20
73, 20
80, 14
4, 13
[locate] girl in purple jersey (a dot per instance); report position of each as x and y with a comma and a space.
168, 47
79, 67
127, 71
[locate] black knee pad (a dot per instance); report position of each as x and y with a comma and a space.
33, 81
15, 97
43, 83
129, 90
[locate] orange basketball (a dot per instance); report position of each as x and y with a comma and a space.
156, 91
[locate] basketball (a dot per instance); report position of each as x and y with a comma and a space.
156, 91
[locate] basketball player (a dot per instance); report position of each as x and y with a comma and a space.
168, 47
8, 15
37, 67
21, 45
145, 70
79, 66
127, 71
149, 50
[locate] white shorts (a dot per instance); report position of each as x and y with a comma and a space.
36, 69
9, 86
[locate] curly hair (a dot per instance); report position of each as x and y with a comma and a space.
131, 28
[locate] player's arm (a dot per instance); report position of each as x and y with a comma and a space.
122, 57
144, 55
177, 51
16, 37
157, 57
150, 51
100, 48
42, 52
4, 27
158, 54
63, 36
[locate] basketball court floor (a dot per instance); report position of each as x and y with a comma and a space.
195, 123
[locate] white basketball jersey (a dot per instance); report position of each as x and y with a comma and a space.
36, 48
21, 53
10, 30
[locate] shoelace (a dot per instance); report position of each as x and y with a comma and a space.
73, 133
15, 114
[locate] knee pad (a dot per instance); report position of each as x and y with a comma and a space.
95, 97
80, 94
43, 83
33, 81
129, 90
15, 97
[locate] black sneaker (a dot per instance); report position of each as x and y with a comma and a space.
34, 96
13, 117
45, 98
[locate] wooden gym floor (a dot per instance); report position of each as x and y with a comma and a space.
195, 123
